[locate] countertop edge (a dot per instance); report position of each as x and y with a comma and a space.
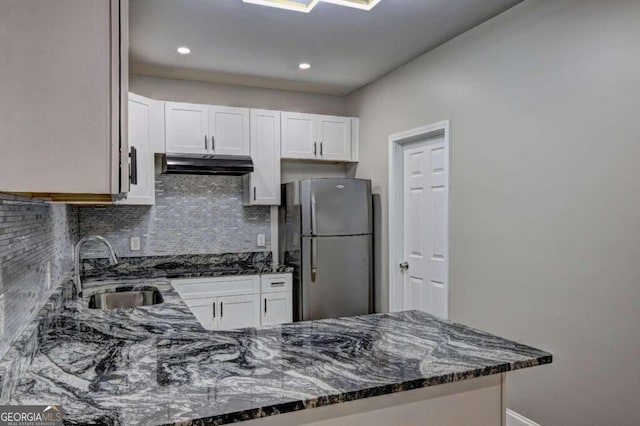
326, 400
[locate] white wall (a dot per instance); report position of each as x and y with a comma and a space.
544, 103
168, 89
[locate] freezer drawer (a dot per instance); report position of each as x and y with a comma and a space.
336, 277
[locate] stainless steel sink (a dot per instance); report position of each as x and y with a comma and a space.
125, 297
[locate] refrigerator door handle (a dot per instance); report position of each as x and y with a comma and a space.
314, 224
314, 259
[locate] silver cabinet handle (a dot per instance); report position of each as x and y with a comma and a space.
206, 145
314, 223
404, 266
321, 149
314, 149
214, 309
221, 309
265, 305
254, 193
213, 143
314, 259
278, 284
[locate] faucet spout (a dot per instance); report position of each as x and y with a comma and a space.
113, 259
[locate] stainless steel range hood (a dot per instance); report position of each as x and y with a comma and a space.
206, 164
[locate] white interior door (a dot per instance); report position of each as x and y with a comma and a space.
425, 226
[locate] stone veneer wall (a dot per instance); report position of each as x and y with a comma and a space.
192, 215
36, 240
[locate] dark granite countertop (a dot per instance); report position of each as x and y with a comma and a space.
157, 365
184, 266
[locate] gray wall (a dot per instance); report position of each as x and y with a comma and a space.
192, 215
32, 235
167, 89
545, 192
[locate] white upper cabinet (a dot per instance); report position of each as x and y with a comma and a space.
146, 126
317, 137
63, 90
229, 130
299, 135
334, 138
262, 187
206, 129
187, 128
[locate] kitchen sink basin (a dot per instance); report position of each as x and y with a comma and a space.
125, 297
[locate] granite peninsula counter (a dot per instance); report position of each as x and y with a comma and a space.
157, 365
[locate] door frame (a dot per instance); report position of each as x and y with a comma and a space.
396, 202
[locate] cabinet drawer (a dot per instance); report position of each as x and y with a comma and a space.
276, 283
211, 287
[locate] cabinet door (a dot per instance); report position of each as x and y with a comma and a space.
334, 138
61, 81
229, 130
205, 311
239, 311
141, 122
276, 308
298, 136
187, 128
263, 186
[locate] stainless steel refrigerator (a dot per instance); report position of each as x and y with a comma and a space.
326, 235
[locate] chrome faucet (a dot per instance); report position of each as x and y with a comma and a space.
113, 259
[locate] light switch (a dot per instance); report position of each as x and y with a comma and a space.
135, 243
261, 240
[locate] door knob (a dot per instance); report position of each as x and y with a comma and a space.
404, 266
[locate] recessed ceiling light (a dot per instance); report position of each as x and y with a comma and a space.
184, 50
304, 66
307, 6
296, 5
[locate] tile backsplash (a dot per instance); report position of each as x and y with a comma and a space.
36, 240
192, 215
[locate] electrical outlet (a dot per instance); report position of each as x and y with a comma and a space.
135, 243
261, 240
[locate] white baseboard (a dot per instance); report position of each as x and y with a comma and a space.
515, 419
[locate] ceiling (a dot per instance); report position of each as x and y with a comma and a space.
245, 44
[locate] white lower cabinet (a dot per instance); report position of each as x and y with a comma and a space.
228, 303
203, 310
276, 308
238, 312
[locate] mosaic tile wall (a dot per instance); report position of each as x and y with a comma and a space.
192, 215
36, 241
